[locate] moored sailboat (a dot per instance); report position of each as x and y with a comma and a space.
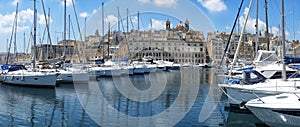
24, 77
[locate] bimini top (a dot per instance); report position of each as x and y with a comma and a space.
265, 56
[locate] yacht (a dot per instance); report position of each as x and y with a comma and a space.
20, 76
278, 110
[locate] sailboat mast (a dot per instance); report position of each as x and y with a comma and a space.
283, 42
103, 30
34, 35
15, 35
65, 28
267, 25
240, 39
256, 26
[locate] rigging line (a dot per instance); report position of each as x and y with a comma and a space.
228, 42
124, 35
12, 33
76, 45
78, 27
131, 23
47, 26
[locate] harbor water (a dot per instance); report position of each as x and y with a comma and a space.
186, 97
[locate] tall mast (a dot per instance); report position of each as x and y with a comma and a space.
127, 21
15, 35
24, 41
240, 39
256, 26
34, 36
102, 40
108, 40
267, 25
65, 28
283, 42
69, 27
138, 16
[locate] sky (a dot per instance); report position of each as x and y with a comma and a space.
203, 15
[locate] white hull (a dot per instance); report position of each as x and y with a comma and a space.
73, 77
150, 68
277, 111
275, 119
241, 93
139, 69
127, 70
40, 80
96, 71
109, 72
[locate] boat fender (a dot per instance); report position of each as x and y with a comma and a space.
12, 77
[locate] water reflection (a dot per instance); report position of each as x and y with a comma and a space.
105, 103
182, 96
241, 118
22, 106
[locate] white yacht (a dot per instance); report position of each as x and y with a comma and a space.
278, 110
24, 77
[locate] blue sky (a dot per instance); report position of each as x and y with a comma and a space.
204, 15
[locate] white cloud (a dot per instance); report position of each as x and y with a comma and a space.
134, 19
160, 3
14, 3
68, 2
213, 5
250, 28
144, 1
165, 3
111, 19
94, 11
275, 31
227, 27
25, 21
84, 14
157, 24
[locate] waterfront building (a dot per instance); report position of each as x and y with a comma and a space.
168, 45
179, 44
52, 53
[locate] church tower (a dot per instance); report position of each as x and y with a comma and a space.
168, 25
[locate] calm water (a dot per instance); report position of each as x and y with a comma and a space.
189, 96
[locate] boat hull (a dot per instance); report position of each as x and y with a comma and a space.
30, 80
